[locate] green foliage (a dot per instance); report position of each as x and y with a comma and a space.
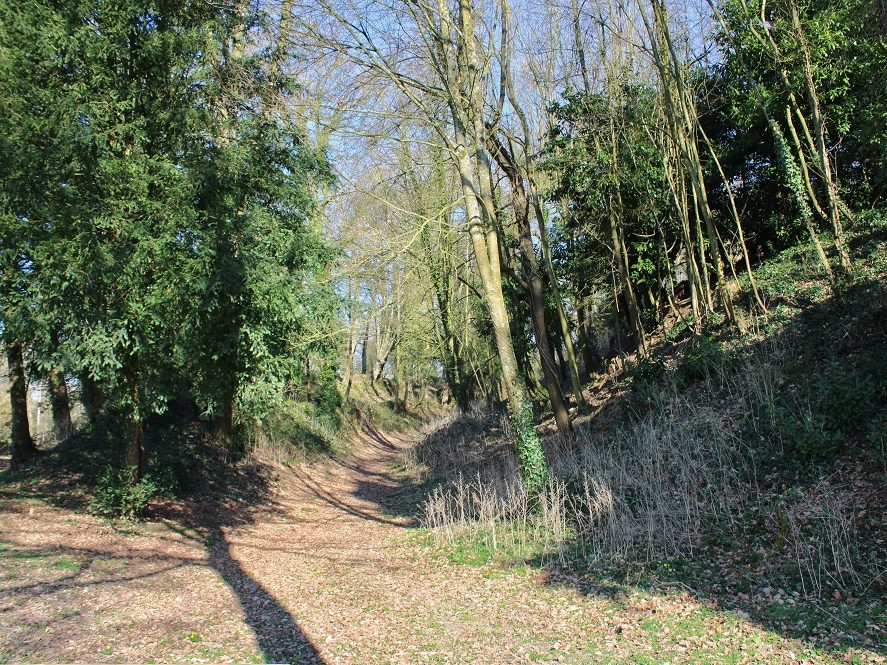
849, 63
802, 431
649, 369
159, 236
793, 181
705, 359
605, 166
121, 496
648, 373
817, 420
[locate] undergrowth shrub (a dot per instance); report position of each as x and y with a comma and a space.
648, 374
706, 359
802, 431
120, 496
813, 421
847, 397
649, 369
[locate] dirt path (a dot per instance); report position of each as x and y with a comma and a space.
321, 574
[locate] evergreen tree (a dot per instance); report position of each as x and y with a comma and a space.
164, 238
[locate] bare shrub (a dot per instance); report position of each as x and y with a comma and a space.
651, 491
646, 493
817, 527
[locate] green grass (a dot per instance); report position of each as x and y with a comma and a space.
68, 565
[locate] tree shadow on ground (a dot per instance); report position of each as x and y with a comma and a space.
239, 495
370, 491
278, 634
221, 497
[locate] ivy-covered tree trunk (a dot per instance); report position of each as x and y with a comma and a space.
831, 190
534, 469
572, 362
23, 448
91, 397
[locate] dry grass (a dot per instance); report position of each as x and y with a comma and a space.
817, 527
648, 490
646, 493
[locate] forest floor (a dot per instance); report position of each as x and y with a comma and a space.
318, 567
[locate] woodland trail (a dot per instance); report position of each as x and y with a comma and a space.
321, 573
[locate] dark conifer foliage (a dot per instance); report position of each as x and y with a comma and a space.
157, 208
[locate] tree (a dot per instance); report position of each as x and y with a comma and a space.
164, 208
446, 44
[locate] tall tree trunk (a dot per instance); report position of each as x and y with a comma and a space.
449, 342
791, 173
23, 448
682, 122
61, 406
543, 343
615, 210
486, 251
521, 208
461, 76
558, 345
223, 424
634, 316
736, 220
135, 453
524, 170
364, 351
91, 397
590, 355
816, 146
572, 363
135, 446
678, 187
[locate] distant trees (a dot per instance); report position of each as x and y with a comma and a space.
606, 170
439, 67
